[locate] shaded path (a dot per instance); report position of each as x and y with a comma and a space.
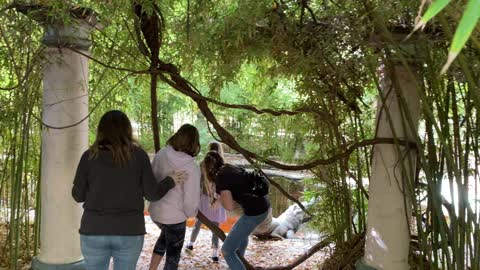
261, 253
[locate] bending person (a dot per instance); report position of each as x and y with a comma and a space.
232, 184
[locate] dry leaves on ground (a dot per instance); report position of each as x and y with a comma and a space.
260, 253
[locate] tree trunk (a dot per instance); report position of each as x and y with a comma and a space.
153, 111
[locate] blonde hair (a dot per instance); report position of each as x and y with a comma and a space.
208, 184
212, 163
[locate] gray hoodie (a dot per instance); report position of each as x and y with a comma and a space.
182, 201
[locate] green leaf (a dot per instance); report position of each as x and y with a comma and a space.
431, 12
464, 30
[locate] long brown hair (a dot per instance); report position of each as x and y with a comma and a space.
211, 165
114, 133
186, 139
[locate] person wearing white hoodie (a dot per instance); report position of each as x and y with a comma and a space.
181, 202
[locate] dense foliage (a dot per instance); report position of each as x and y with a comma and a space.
320, 57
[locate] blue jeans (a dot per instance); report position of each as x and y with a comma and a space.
98, 249
237, 240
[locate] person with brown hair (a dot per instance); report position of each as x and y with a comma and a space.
112, 178
234, 185
209, 206
172, 211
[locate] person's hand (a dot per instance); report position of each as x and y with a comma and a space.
179, 177
216, 196
216, 204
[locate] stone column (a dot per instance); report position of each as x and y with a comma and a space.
65, 102
393, 166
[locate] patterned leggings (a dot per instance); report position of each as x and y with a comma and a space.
170, 242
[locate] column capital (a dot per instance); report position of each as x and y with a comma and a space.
67, 27
402, 39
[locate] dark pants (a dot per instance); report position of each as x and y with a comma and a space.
170, 242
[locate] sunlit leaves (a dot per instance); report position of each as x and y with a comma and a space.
431, 12
464, 30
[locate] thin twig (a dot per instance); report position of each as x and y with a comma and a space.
91, 111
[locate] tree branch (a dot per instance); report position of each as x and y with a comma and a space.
300, 259
90, 113
132, 71
182, 85
323, 115
218, 232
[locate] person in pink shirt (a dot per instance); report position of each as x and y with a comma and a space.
171, 212
210, 207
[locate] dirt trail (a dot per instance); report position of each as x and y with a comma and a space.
261, 253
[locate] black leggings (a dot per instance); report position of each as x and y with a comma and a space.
170, 242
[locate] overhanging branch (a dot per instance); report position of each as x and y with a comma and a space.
183, 86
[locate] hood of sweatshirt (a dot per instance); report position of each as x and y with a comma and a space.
177, 159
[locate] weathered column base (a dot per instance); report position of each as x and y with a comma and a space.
38, 265
360, 265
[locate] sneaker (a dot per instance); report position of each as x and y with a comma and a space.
189, 247
215, 259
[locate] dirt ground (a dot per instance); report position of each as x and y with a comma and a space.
260, 253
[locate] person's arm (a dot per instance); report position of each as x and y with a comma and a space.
222, 187
216, 204
80, 182
152, 190
191, 193
227, 200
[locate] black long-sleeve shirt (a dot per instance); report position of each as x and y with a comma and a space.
113, 195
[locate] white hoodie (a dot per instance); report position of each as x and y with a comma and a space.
182, 201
